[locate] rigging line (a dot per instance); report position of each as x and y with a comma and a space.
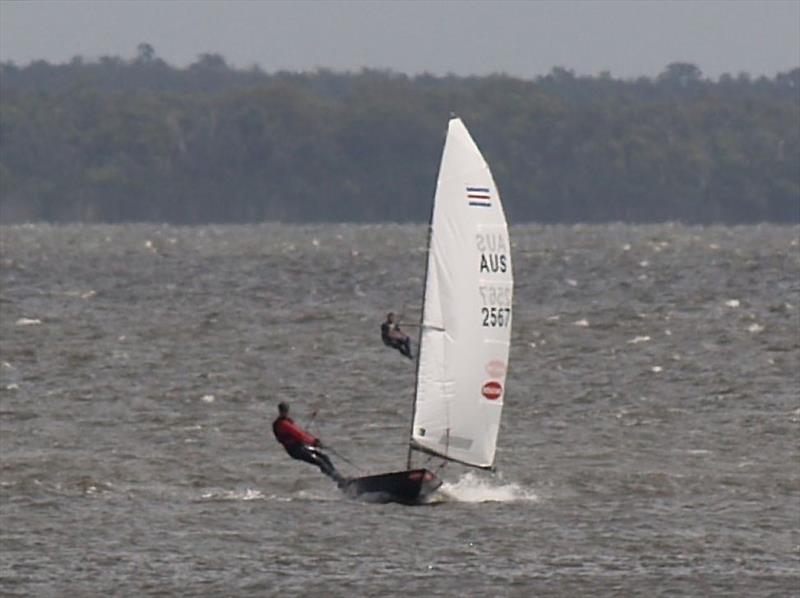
328, 447
442, 465
342, 457
312, 424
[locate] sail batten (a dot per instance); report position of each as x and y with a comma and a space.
466, 315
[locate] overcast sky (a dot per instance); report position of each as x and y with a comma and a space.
525, 39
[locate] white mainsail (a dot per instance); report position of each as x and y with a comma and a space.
466, 317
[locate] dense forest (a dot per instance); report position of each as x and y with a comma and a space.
139, 140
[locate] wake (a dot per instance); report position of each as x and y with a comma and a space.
473, 489
469, 488
249, 494
225, 495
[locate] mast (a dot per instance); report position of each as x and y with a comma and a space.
422, 313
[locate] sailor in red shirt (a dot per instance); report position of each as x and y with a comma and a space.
302, 445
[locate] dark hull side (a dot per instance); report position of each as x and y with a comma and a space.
406, 487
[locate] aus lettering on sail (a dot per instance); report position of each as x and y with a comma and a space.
495, 287
494, 253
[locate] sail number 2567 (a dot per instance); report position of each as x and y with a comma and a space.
496, 310
496, 317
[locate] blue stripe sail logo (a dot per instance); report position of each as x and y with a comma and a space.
479, 197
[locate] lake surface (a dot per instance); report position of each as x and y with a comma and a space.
649, 443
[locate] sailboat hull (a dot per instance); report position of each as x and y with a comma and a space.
405, 487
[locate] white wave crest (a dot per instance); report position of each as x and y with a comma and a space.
247, 494
473, 489
28, 322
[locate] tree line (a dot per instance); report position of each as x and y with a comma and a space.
118, 140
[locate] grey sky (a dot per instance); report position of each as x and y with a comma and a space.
519, 38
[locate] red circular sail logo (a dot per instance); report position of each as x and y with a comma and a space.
492, 390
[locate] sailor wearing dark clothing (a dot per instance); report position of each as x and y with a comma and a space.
302, 445
392, 336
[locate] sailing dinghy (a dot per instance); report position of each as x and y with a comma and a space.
465, 328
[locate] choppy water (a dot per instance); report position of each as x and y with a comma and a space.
649, 443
